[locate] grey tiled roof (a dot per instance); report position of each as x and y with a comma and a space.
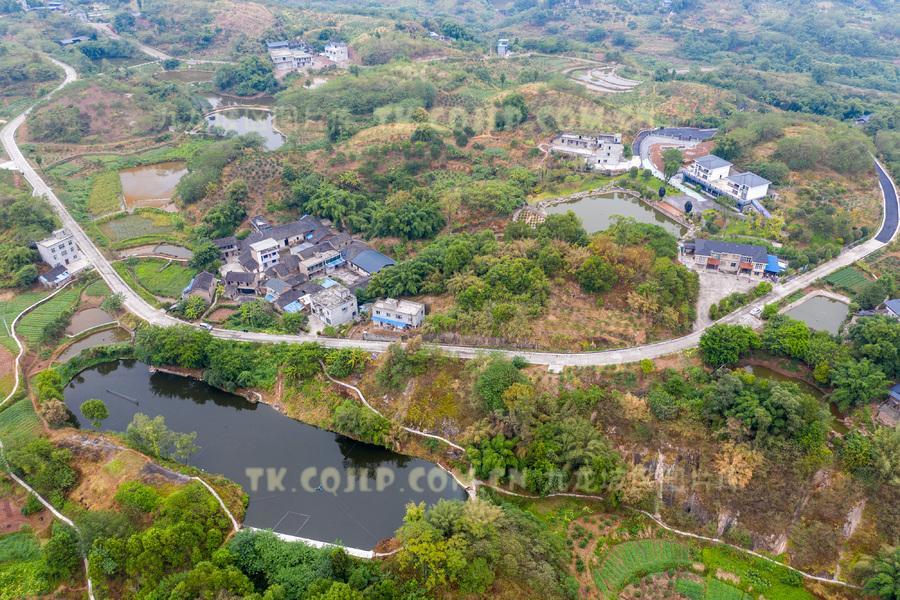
749, 179
711, 161
707, 247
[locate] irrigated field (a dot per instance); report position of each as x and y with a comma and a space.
626, 561
850, 279
9, 309
32, 325
19, 425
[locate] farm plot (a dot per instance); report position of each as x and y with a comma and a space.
629, 560
161, 277
105, 196
21, 566
9, 309
143, 226
710, 589
32, 325
850, 279
18, 424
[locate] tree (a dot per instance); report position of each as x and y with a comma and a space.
885, 465
596, 275
113, 303
672, 161
153, 437
55, 413
494, 379
205, 256
493, 457
565, 227
46, 467
882, 574
194, 307
857, 382
61, 557
722, 344
137, 498
95, 411
878, 339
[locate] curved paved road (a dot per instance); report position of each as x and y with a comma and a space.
145, 311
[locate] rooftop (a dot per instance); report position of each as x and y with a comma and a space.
749, 179
893, 306
711, 161
60, 235
54, 273
406, 307
334, 296
371, 261
264, 245
204, 280
706, 247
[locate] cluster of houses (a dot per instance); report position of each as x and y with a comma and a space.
602, 151
65, 258
717, 177
304, 265
292, 56
729, 257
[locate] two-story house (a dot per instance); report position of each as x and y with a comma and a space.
398, 314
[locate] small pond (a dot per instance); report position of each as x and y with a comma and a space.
247, 120
302, 481
217, 101
151, 185
821, 313
767, 373
173, 251
87, 318
101, 338
596, 212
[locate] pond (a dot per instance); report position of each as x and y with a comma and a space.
821, 313
173, 251
101, 338
767, 373
596, 212
151, 185
248, 120
302, 481
217, 101
87, 318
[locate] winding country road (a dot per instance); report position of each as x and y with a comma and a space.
135, 304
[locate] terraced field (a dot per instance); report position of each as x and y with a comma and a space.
18, 424
31, 325
9, 309
627, 561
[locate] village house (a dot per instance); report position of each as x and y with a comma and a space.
716, 176
337, 52
398, 314
203, 285
228, 247
601, 150
335, 305
55, 277
892, 308
503, 47
60, 249
728, 257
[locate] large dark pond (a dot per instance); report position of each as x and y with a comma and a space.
302, 481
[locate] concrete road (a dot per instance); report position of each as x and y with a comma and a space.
135, 304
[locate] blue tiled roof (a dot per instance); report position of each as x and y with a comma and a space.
895, 391
893, 306
371, 261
